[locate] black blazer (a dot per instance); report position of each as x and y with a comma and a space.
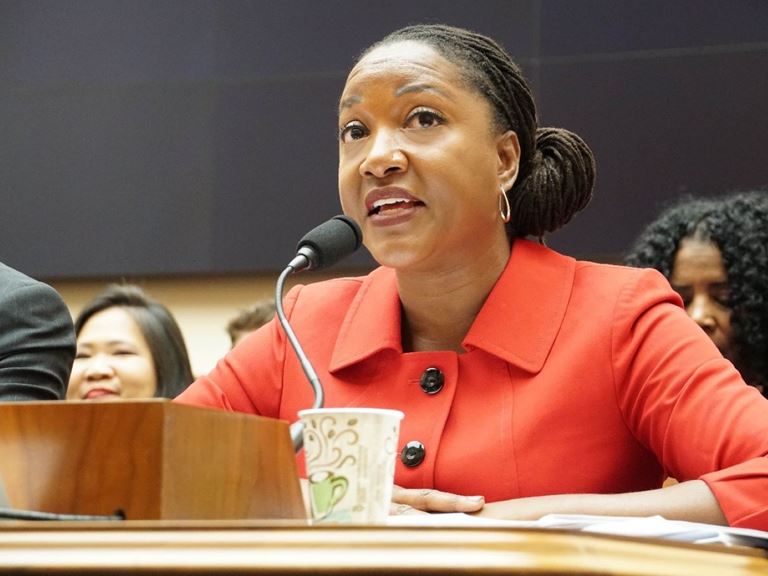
37, 339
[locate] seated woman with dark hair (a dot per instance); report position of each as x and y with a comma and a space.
128, 346
714, 252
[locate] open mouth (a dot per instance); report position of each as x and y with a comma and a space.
390, 205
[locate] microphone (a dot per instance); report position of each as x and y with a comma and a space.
326, 244
320, 248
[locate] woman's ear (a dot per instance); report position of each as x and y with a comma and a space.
508, 150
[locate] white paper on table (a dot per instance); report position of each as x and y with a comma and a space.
638, 527
659, 527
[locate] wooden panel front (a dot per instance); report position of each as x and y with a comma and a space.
229, 465
150, 459
85, 458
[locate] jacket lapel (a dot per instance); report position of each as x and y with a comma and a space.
523, 313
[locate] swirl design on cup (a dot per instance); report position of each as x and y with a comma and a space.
327, 441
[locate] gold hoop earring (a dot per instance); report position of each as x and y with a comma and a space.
505, 210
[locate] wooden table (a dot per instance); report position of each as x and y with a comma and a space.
289, 547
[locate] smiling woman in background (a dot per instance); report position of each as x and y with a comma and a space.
128, 346
715, 254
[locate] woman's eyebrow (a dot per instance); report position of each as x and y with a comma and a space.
420, 87
350, 101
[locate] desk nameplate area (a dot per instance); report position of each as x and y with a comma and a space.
292, 547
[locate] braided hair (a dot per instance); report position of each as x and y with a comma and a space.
738, 225
557, 168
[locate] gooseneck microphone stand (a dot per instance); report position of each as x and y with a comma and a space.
321, 247
297, 428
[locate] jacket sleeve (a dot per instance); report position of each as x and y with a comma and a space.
250, 377
687, 403
37, 343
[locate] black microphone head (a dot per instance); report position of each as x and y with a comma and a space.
331, 241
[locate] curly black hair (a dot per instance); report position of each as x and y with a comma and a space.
737, 224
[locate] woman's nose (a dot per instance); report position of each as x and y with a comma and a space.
384, 156
700, 310
99, 367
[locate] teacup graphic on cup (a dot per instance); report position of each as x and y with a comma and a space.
327, 490
350, 462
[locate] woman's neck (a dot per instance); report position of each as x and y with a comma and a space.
440, 306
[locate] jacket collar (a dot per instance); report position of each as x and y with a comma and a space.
518, 322
372, 322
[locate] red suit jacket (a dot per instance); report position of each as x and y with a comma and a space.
577, 378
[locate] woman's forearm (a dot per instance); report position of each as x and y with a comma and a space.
692, 501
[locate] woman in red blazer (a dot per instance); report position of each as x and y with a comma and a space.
531, 383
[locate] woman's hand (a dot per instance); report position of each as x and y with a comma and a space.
425, 500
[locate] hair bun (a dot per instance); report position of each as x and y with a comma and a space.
557, 184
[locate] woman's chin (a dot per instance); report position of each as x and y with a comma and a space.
399, 260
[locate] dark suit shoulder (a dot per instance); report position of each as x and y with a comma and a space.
37, 341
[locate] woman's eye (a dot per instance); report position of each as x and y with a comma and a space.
686, 295
82, 356
352, 131
424, 118
723, 298
123, 352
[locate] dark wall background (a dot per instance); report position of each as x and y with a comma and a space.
163, 137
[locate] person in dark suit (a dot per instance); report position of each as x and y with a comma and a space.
37, 339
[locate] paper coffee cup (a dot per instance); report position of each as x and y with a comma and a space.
350, 455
